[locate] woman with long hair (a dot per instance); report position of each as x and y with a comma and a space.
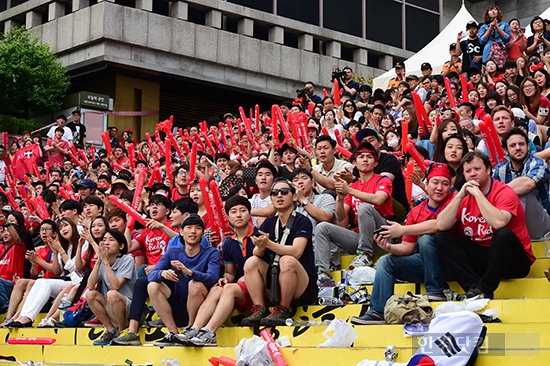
444, 130
386, 123
454, 149
64, 250
492, 73
535, 106
491, 101
348, 113
494, 30
331, 124
521, 63
512, 95
500, 88
542, 78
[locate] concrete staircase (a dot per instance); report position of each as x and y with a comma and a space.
523, 337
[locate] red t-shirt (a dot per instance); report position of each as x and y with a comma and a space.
55, 157
422, 213
176, 195
12, 265
43, 253
154, 243
473, 225
543, 110
515, 50
376, 183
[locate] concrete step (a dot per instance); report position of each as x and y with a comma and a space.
534, 334
294, 356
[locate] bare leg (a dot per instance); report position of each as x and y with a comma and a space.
197, 294
159, 293
231, 293
97, 303
293, 279
117, 301
254, 273
18, 295
133, 326
208, 307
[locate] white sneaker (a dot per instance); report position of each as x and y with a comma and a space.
361, 260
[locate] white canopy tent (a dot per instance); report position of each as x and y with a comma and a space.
436, 52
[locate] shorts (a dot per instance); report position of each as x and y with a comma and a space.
246, 304
309, 297
112, 316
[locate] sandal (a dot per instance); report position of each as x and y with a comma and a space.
46, 323
6, 323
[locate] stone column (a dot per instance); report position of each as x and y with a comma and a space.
334, 49
179, 10
80, 4
385, 62
33, 19
146, 5
361, 56
246, 27
276, 35
55, 10
214, 19
305, 42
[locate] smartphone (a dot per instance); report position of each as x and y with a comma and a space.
522, 29
378, 231
465, 34
179, 274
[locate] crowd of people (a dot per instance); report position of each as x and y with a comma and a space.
253, 213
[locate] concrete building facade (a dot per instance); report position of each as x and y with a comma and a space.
196, 58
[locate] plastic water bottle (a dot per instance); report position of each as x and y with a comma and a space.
170, 362
65, 303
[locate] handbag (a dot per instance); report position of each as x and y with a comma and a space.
498, 53
408, 308
274, 270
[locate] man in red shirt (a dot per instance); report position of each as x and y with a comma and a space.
370, 200
57, 149
483, 236
415, 258
180, 182
119, 153
153, 240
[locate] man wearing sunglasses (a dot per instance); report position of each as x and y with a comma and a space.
297, 276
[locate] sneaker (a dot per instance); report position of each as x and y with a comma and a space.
185, 336
156, 323
107, 337
370, 317
258, 313
324, 280
473, 292
205, 337
127, 338
93, 323
437, 296
167, 340
361, 260
277, 317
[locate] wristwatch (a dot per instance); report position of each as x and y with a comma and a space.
305, 202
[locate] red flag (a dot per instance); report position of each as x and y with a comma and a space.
22, 161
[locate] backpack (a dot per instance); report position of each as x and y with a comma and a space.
408, 308
78, 312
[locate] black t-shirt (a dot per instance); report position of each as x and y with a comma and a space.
389, 164
302, 227
79, 132
470, 48
283, 172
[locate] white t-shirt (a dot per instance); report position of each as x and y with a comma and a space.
257, 202
67, 136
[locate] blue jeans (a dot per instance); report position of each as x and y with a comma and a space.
6, 288
422, 266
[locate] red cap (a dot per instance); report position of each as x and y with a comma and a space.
439, 170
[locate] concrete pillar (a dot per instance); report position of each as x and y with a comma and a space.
10, 23
276, 35
361, 56
213, 19
55, 10
80, 4
385, 62
334, 49
179, 10
146, 5
246, 27
305, 42
33, 19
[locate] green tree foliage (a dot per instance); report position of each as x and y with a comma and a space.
31, 77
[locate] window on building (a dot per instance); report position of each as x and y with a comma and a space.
306, 11
384, 22
344, 16
422, 27
262, 5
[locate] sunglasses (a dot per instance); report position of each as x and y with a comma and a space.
283, 191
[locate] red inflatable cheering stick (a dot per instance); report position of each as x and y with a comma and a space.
272, 348
129, 210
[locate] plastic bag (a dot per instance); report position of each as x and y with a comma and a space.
339, 334
474, 304
362, 276
253, 352
380, 363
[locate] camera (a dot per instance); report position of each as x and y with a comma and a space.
337, 75
302, 93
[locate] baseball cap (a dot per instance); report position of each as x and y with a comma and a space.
518, 113
472, 23
411, 77
365, 132
425, 66
192, 219
87, 183
399, 65
452, 46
